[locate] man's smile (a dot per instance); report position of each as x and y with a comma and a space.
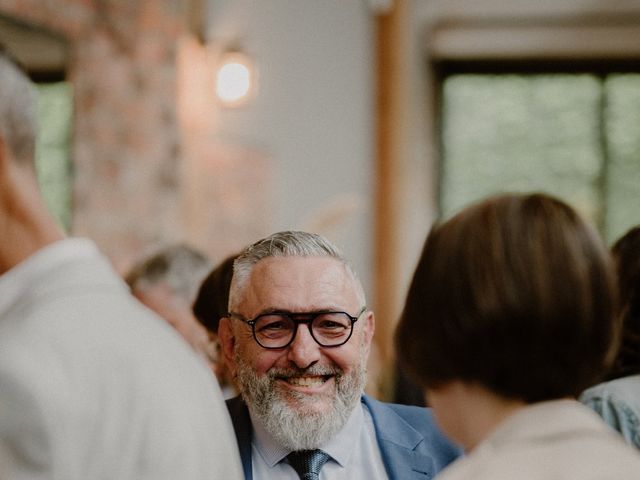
309, 381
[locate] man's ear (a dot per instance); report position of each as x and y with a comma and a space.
227, 342
369, 328
3, 153
6, 175
370, 325
6, 159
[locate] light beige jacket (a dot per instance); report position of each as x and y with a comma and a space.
557, 440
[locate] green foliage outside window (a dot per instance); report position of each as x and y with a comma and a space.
575, 136
55, 114
623, 175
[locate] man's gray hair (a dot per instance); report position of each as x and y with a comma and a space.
285, 244
17, 111
179, 267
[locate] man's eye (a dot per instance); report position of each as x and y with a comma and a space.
274, 326
332, 321
329, 325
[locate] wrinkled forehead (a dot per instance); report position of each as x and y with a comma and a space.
301, 283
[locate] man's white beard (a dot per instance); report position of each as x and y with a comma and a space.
301, 428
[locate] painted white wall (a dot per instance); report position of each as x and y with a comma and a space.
313, 116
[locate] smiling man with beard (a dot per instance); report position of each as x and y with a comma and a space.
297, 338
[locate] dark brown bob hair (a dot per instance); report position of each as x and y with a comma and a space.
212, 300
515, 293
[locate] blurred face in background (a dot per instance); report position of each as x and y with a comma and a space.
160, 299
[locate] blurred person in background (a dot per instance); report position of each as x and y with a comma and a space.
212, 304
617, 400
511, 313
92, 385
167, 282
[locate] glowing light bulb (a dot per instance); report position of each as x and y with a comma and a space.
234, 79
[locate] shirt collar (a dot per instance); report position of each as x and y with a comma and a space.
339, 447
20, 278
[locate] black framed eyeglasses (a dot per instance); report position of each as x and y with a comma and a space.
275, 330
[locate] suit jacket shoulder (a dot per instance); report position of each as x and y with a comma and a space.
411, 444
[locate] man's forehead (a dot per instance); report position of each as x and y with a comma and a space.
322, 279
296, 267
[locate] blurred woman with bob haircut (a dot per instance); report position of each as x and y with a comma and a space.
511, 313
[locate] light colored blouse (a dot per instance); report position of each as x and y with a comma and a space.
560, 440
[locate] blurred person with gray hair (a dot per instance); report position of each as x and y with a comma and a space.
92, 385
167, 282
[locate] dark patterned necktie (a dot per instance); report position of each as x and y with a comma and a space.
308, 463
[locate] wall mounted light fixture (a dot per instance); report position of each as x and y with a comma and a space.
235, 78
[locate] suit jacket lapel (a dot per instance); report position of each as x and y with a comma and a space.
398, 442
242, 426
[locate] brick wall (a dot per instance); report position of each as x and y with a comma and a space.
142, 177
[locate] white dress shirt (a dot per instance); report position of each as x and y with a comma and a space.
354, 452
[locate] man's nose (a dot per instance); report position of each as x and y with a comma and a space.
303, 351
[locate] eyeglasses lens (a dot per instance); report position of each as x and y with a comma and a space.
328, 329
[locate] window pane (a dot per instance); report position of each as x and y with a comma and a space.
623, 174
521, 133
55, 105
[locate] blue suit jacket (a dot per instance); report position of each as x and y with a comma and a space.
411, 445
